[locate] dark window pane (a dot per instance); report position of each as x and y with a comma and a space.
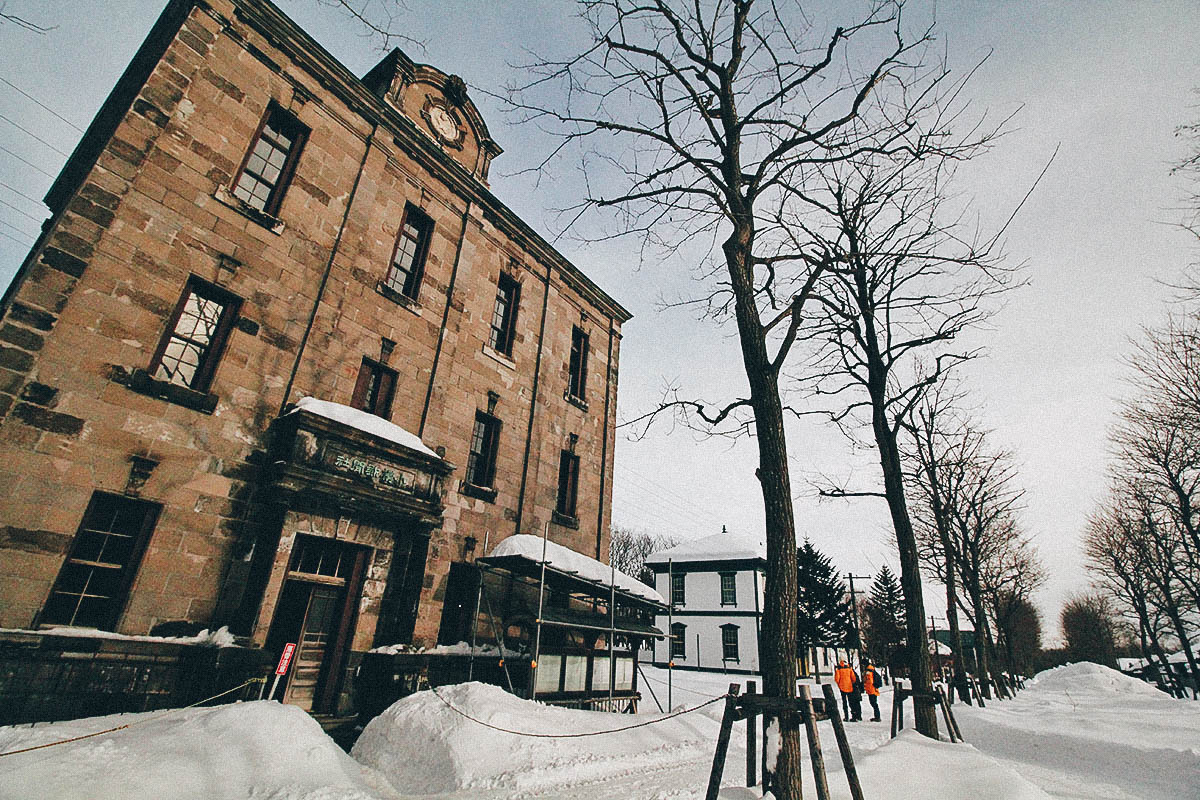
93, 582
189, 353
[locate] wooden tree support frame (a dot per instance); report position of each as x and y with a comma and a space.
901, 692
750, 706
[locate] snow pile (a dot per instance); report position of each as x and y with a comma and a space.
424, 746
1084, 730
221, 637
457, 649
260, 750
567, 560
1091, 678
361, 420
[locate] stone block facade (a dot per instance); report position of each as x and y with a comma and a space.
147, 218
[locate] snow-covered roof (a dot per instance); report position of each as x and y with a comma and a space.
361, 420
565, 559
718, 547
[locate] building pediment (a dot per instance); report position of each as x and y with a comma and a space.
438, 105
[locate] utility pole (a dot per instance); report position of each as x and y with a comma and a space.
937, 651
854, 613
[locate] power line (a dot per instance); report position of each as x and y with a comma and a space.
34, 135
25, 161
15, 190
19, 211
15, 239
18, 230
40, 103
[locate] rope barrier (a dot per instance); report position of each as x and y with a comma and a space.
672, 715
131, 724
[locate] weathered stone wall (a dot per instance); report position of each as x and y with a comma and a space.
93, 302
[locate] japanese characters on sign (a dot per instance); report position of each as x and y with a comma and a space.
397, 479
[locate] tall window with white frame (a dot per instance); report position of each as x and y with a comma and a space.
729, 642
504, 315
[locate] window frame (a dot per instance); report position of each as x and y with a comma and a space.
567, 503
577, 365
501, 338
128, 571
678, 588
678, 647
731, 577
206, 369
368, 372
414, 273
300, 133
489, 441
727, 629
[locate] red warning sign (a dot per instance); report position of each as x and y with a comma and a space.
285, 658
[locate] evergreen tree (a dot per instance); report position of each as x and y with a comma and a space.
883, 613
823, 606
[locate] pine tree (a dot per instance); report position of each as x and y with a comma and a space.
884, 618
824, 609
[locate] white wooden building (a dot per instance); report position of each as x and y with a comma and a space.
715, 590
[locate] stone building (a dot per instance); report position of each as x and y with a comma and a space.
280, 359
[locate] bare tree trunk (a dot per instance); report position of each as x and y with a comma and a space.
982, 660
924, 710
779, 611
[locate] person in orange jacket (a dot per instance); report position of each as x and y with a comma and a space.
871, 687
847, 682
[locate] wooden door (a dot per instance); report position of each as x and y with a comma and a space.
315, 634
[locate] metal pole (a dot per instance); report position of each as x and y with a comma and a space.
612, 628
537, 643
670, 631
937, 651
475, 619
854, 613
757, 625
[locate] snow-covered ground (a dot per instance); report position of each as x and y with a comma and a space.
1076, 732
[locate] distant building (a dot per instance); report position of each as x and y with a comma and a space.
244, 225
715, 586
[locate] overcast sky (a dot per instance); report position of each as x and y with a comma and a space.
1106, 83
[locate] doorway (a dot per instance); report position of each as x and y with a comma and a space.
316, 611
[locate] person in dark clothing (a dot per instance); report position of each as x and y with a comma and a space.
848, 684
871, 687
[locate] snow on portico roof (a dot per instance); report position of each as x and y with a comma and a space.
361, 420
565, 559
718, 547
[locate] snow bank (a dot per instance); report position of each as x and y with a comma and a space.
422, 746
260, 750
1084, 730
944, 771
361, 420
565, 559
1088, 677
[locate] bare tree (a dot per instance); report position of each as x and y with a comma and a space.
703, 120
940, 450
629, 549
907, 278
985, 529
1115, 562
